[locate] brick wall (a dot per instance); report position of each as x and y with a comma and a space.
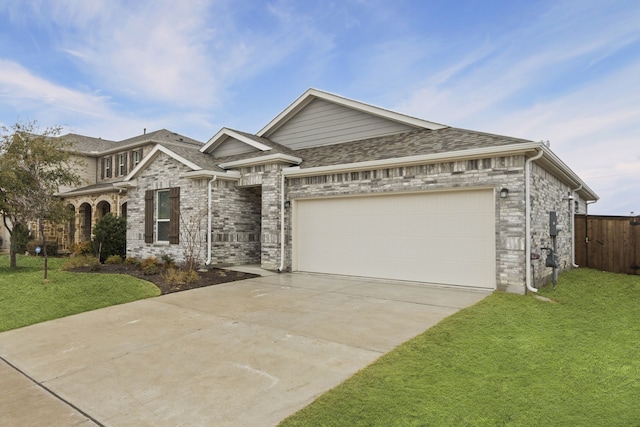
499, 172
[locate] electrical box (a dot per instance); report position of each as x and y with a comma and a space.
553, 224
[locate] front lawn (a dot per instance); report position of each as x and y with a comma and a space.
508, 360
25, 298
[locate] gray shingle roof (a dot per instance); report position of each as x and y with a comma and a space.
418, 142
89, 145
193, 155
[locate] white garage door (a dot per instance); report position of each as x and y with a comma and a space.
437, 237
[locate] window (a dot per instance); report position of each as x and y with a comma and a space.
122, 164
162, 216
106, 167
136, 156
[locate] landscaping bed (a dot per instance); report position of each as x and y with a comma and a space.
213, 276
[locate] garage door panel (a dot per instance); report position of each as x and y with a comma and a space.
446, 237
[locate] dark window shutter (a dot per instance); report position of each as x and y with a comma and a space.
148, 216
111, 160
102, 168
124, 158
174, 215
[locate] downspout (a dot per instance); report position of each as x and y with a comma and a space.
281, 268
208, 261
573, 227
527, 219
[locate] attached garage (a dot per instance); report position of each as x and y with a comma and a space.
443, 237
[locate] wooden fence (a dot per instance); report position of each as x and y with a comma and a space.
608, 243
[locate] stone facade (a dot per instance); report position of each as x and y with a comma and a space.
548, 194
235, 216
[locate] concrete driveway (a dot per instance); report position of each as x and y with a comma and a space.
246, 353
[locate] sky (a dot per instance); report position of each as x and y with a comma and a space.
567, 72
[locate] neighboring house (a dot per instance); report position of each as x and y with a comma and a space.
333, 185
101, 165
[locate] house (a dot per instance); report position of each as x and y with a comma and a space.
101, 164
333, 185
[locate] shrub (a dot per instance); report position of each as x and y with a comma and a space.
20, 237
52, 248
114, 259
110, 237
149, 266
81, 262
82, 248
131, 260
168, 262
150, 269
176, 277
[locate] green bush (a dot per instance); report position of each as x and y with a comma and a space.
110, 237
52, 248
81, 262
114, 259
20, 237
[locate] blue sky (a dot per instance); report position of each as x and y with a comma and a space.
563, 71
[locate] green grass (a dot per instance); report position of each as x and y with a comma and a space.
26, 298
509, 360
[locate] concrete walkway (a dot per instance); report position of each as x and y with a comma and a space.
246, 353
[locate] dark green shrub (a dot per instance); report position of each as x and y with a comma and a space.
52, 248
20, 237
110, 237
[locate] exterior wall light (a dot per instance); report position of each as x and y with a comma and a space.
287, 204
504, 193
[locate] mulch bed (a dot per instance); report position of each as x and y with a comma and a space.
213, 276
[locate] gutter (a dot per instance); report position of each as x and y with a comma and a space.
573, 227
527, 219
208, 261
281, 268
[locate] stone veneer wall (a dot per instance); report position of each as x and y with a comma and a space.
235, 216
547, 194
499, 172
235, 224
163, 173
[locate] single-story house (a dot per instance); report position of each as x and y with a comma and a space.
333, 185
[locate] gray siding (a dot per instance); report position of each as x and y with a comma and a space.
231, 147
325, 123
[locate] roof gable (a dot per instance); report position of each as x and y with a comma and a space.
319, 118
228, 142
149, 158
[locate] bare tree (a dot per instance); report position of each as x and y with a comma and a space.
192, 236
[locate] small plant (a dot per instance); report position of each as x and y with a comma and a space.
83, 248
177, 277
110, 236
89, 262
131, 260
113, 259
149, 266
168, 262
